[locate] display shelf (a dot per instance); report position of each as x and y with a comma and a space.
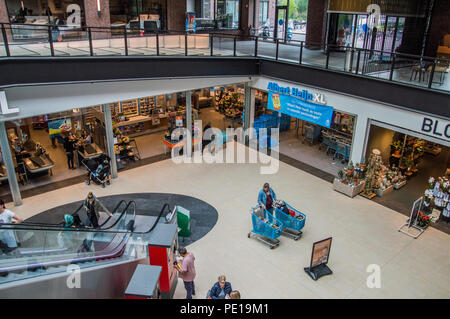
129, 108
147, 106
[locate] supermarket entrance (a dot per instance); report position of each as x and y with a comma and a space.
327, 149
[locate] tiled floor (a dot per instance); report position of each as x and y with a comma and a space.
363, 232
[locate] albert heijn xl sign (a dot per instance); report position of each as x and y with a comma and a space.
317, 98
437, 128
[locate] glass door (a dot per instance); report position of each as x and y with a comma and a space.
280, 23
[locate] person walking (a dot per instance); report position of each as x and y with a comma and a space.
7, 237
69, 145
266, 197
93, 206
187, 271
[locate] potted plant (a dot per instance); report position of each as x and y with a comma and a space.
409, 163
423, 220
397, 145
341, 175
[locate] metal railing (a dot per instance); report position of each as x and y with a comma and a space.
25, 40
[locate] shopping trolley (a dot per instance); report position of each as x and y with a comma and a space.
312, 133
293, 220
266, 228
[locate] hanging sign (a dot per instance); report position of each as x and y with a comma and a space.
313, 113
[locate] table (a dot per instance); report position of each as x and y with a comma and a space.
177, 144
33, 167
87, 156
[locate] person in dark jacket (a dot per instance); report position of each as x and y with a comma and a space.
69, 145
221, 289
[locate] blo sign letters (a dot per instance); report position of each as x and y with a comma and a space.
4, 105
438, 129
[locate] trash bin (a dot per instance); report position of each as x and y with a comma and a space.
184, 221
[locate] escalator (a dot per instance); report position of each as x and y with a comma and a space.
46, 250
81, 218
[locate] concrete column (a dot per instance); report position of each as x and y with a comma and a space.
110, 139
10, 169
249, 99
316, 23
252, 106
189, 122
413, 34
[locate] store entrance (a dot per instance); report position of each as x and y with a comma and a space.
416, 158
39, 147
220, 107
327, 149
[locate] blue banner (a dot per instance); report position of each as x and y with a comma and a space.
313, 113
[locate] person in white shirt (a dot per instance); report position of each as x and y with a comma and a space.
7, 237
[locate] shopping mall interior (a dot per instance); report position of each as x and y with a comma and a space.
299, 148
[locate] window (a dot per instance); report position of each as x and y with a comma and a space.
227, 14
263, 11
217, 14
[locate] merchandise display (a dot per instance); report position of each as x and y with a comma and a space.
379, 178
437, 196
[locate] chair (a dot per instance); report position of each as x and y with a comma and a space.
420, 70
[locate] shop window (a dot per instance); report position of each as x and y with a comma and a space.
45, 12
55, 12
227, 14
149, 15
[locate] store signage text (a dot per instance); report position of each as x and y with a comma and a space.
300, 94
435, 127
4, 105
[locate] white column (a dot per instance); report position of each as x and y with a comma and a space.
110, 139
189, 122
9, 164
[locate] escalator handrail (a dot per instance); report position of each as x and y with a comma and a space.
114, 211
107, 253
61, 224
89, 230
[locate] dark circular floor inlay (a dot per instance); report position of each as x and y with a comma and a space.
203, 215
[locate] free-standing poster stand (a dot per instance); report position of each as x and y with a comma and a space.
319, 259
410, 228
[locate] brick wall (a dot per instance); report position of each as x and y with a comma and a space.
316, 23
176, 15
93, 20
440, 26
3, 12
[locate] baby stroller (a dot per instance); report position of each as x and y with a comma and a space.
98, 170
292, 219
266, 228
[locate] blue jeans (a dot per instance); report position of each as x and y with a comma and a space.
190, 289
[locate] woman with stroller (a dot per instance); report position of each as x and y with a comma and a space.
93, 206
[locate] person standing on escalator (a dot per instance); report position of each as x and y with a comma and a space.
93, 206
7, 237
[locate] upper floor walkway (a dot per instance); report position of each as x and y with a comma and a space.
36, 54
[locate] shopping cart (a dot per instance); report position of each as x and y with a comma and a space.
312, 133
293, 220
266, 228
